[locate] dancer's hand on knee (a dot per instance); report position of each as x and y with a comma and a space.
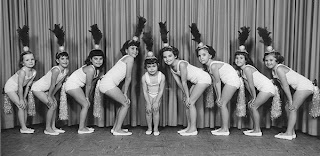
156, 106
87, 99
22, 104
251, 103
148, 108
219, 103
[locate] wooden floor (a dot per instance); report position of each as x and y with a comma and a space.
102, 142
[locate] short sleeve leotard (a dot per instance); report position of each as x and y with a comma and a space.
44, 83
114, 76
77, 79
228, 74
295, 80
153, 88
194, 74
12, 83
261, 82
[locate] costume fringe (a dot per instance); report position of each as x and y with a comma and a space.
209, 96
97, 102
241, 101
31, 104
7, 106
315, 105
276, 110
63, 108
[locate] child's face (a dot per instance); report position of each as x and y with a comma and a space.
28, 60
132, 51
204, 56
168, 57
97, 61
240, 60
63, 61
152, 68
270, 61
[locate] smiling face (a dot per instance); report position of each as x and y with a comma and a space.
63, 61
240, 60
204, 56
28, 60
132, 51
168, 57
270, 61
97, 61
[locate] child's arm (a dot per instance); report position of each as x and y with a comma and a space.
59, 84
216, 81
28, 86
145, 93
184, 72
55, 72
284, 84
247, 71
89, 76
129, 65
21, 75
160, 93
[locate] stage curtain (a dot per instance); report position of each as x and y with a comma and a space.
294, 25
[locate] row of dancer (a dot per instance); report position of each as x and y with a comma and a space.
216, 73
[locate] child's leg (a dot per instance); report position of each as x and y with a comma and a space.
262, 97
298, 98
195, 94
79, 96
188, 113
149, 120
226, 95
51, 109
21, 112
117, 95
116, 120
155, 113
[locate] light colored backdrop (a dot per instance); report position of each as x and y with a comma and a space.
294, 25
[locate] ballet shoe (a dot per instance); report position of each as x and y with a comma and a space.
248, 131
189, 134
84, 132
60, 130
221, 133
182, 131
125, 130
148, 132
117, 133
156, 133
294, 136
90, 128
27, 131
281, 136
50, 133
253, 134
216, 130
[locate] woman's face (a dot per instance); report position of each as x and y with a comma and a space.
132, 51
28, 60
97, 61
168, 57
240, 60
204, 56
270, 61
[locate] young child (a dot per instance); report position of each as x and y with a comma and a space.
220, 71
22, 79
253, 80
84, 77
182, 72
153, 82
288, 78
122, 70
47, 86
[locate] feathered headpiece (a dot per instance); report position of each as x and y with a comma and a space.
147, 39
59, 33
266, 39
24, 37
164, 31
197, 38
243, 36
96, 35
135, 39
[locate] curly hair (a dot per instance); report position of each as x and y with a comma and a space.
277, 55
129, 43
246, 57
173, 49
210, 50
95, 52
